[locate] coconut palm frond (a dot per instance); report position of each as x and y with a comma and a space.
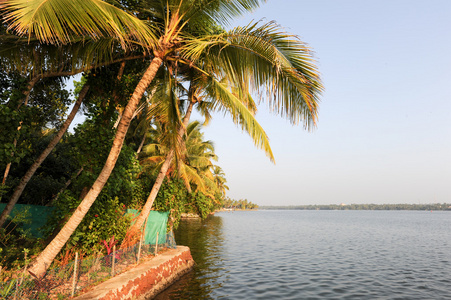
276, 64
227, 102
191, 176
201, 12
60, 21
33, 57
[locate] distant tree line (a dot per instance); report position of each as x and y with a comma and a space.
229, 203
431, 206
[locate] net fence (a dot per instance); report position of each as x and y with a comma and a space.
80, 274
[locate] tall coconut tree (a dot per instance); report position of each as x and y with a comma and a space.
194, 167
198, 160
209, 88
261, 58
175, 23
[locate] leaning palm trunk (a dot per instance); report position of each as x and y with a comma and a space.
132, 232
45, 258
141, 145
8, 166
26, 178
66, 185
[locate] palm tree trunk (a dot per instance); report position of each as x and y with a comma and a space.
141, 145
159, 181
30, 86
8, 166
66, 185
45, 258
115, 97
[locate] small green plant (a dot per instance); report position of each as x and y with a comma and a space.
93, 276
42, 296
6, 289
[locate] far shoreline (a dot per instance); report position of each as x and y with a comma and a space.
342, 206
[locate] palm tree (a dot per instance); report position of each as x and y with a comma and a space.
43, 61
176, 24
209, 93
263, 58
220, 180
194, 165
197, 165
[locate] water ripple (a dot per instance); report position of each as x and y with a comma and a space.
317, 255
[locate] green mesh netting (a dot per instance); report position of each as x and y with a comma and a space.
156, 222
37, 214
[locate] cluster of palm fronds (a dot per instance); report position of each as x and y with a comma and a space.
188, 61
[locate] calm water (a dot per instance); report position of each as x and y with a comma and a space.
317, 255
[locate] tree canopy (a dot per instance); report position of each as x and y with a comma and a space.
147, 64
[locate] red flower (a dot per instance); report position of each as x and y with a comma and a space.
96, 216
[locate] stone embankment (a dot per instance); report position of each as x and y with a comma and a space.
145, 280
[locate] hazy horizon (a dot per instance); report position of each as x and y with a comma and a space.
384, 127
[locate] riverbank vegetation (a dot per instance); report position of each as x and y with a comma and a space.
242, 204
145, 66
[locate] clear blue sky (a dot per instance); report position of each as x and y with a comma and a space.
384, 130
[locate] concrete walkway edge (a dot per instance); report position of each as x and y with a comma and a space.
145, 280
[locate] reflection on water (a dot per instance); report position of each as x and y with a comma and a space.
206, 241
317, 255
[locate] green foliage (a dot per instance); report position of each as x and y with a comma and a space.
3, 190
79, 85
173, 197
12, 86
24, 127
49, 178
229, 203
106, 216
5, 291
15, 242
17, 128
90, 145
50, 99
204, 205
107, 94
105, 219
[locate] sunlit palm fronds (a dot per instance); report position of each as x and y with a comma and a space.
201, 12
60, 21
276, 64
222, 99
